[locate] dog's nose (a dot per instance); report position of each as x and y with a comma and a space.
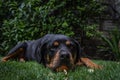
64, 55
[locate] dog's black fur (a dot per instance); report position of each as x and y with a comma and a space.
52, 50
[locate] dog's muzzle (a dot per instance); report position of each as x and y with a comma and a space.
62, 61
64, 56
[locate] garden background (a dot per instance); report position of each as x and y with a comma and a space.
94, 23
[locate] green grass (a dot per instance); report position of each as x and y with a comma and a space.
13, 70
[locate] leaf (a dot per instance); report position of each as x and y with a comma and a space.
65, 24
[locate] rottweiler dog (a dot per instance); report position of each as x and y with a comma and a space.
55, 51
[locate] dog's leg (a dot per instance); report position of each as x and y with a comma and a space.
88, 63
22, 57
18, 52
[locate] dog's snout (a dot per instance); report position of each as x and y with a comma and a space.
64, 55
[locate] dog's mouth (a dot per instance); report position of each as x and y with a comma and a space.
61, 63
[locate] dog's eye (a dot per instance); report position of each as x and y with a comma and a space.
54, 46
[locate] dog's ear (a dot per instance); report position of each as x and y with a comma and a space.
40, 52
79, 50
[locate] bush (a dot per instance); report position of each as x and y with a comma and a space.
112, 43
31, 19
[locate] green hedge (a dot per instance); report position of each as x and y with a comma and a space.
30, 19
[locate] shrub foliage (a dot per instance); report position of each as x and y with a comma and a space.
22, 20
111, 43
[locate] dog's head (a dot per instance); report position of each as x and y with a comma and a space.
60, 52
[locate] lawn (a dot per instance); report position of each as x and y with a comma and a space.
13, 70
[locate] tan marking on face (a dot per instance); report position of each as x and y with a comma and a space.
56, 43
68, 43
54, 61
71, 59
